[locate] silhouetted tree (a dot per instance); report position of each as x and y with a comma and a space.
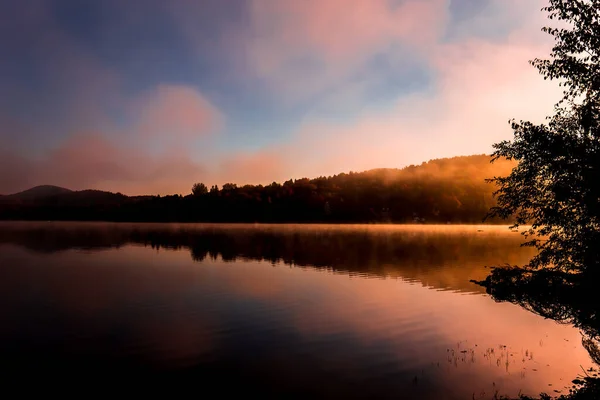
199, 189
555, 186
229, 187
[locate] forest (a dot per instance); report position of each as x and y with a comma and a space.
449, 190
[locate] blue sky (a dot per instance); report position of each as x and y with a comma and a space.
151, 96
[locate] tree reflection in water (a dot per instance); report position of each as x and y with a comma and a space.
563, 297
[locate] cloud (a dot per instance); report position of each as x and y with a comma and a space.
125, 159
70, 119
92, 161
374, 83
15, 170
176, 110
479, 86
336, 30
492, 19
300, 48
251, 168
154, 152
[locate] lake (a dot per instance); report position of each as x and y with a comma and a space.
378, 311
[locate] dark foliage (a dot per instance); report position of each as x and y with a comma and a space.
199, 189
556, 184
446, 190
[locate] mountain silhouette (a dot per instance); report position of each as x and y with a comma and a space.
39, 192
46, 195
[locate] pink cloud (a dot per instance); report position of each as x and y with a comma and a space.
338, 30
15, 170
171, 117
333, 36
306, 48
92, 161
480, 86
86, 158
243, 168
152, 152
176, 110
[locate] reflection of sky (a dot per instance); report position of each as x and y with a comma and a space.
298, 326
276, 79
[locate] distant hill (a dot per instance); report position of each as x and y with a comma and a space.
448, 190
86, 197
48, 195
38, 192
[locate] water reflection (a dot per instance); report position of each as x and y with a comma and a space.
444, 257
263, 325
563, 297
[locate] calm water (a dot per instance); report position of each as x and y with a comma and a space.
317, 311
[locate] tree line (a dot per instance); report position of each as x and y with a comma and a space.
451, 190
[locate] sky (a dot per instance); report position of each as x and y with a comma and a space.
150, 96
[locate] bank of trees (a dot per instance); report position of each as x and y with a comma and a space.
440, 191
